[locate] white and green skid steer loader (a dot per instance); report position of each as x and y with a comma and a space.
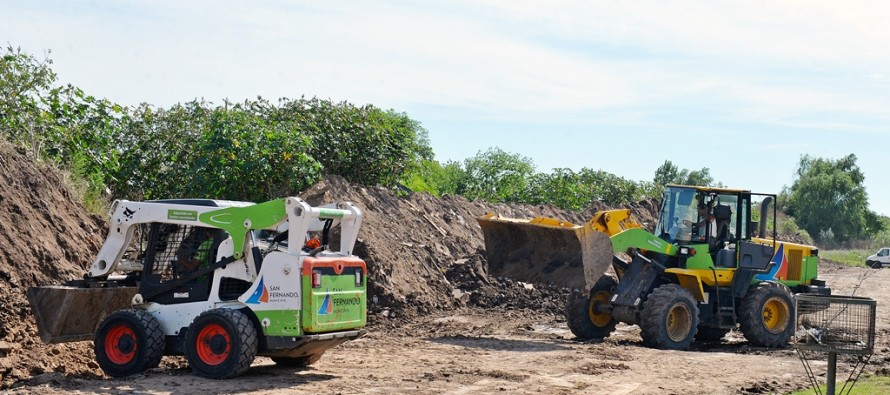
196, 278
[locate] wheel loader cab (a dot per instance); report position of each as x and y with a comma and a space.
711, 221
732, 246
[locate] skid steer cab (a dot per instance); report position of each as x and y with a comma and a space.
193, 278
708, 268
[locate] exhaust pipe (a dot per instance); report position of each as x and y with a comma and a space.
764, 208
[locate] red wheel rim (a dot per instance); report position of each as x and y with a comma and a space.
120, 344
214, 344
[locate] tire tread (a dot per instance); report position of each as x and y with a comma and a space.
150, 342
245, 338
751, 319
652, 318
577, 317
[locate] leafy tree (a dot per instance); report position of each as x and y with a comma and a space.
363, 144
496, 175
669, 173
828, 200
257, 150
666, 173
61, 124
882, 238
609, 188
698, 177
435, 178
243, 156
562, 188
24, 81
233, 151
572, 190
157, 148
253, 150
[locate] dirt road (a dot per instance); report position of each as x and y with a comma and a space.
475, 351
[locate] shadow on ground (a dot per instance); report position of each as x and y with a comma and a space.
489, 343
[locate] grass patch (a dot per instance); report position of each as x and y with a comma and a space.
85, 193
847, 257
867, 385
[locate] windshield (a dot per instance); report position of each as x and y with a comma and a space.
678, 214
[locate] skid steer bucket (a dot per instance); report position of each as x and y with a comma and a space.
545, 250
67, 314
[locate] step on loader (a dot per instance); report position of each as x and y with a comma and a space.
217, 281
707, 268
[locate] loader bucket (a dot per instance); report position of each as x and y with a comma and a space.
545, 250
68, 314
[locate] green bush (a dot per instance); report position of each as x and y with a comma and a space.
255, 150
435, 178
499, 176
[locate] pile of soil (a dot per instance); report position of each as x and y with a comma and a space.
426, 253
47, 238
473, 287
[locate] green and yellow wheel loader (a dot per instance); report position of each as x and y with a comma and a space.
706, 269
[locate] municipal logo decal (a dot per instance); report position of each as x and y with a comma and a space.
780, 266
260, 295
326, 306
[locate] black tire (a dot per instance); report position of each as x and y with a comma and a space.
766, 315
874, 264
128, 342
582, 314
297, 362
221, 343
710, 334
669, 319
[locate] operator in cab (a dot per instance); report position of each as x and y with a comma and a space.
706, 225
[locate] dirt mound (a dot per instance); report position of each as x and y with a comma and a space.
426, 253
46, 238
473, 287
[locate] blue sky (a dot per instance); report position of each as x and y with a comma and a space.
741, 87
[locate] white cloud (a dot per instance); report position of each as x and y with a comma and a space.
496, 60
757, 69
791, 30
